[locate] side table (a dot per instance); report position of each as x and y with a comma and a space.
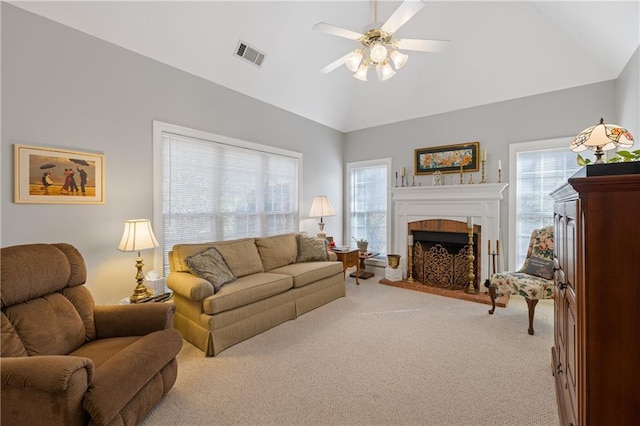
349, 258
362, 272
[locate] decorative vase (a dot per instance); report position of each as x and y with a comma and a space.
362, 246
393, 260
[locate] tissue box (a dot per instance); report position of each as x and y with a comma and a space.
156, 285
393, 274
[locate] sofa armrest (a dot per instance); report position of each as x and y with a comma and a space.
332, 255
46, 373
132, 320
188, 285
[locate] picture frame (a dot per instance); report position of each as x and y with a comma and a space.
57, 176
447, 159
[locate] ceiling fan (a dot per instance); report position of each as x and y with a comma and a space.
377, 40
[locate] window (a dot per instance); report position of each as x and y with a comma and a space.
540, 168
368, 205
215, 188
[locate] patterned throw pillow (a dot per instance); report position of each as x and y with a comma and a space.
311, 249
542, 268
210, 265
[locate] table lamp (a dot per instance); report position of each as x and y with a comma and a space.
321, 207
602, 137
138, 236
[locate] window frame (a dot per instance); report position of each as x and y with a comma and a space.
514, 150
347, 200
160, 128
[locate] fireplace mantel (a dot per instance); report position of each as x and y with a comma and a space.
454, 202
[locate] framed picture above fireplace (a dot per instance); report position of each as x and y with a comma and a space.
447, 159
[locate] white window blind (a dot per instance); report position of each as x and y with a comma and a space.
368, 204
214, 191
539, 172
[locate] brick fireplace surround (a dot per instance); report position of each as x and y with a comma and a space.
452, 202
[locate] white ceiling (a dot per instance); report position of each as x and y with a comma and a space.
498, 50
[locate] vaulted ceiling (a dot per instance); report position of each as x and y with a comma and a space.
498, 50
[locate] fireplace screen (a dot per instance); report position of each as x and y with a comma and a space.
441, 265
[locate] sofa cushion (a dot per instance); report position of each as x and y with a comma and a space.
245, 290
310, 272
242, 256
311, 249
276, 251
210, 265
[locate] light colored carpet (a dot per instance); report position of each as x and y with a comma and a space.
380, 356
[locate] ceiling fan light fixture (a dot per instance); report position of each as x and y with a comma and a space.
361, 74
384, 71
399, 59
353, 60
378, 53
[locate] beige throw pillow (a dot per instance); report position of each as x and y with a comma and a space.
311, 249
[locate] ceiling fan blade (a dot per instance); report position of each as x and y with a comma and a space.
422, 45
337, 31
335, 64
403, 13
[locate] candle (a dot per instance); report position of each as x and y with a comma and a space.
483, 155
497, 247
402, 170
489, 247
469, 222
499, 165
410, 240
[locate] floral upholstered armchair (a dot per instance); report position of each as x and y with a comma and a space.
534, 280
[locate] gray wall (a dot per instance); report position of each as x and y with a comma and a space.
628, 97
62, 88
548, 116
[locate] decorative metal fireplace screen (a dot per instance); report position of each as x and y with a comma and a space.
441, 258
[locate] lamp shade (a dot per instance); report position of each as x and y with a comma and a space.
321, 207
602, 136
137, 235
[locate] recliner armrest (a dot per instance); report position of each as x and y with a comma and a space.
132, 320
47, 373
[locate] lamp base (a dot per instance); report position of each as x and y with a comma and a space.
140, 292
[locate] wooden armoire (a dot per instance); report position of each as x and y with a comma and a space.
596, 352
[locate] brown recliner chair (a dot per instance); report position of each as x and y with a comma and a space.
66, 361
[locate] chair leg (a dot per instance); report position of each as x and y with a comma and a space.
531, 304
493, 289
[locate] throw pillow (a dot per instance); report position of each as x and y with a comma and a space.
210, 265
311, 249
542, 268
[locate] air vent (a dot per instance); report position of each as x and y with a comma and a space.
249, 54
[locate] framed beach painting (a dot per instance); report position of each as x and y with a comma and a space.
447, 159
57, 176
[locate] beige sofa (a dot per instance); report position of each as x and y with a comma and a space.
271, 288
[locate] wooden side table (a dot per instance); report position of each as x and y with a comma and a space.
362, 272
349, 258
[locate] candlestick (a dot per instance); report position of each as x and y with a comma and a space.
410, 240
396, 179
461, 174
483, 179
471, 289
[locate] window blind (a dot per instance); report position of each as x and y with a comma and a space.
214, 191
368, 206
539, 172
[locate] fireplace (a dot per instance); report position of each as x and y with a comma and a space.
440, 253
453, 204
